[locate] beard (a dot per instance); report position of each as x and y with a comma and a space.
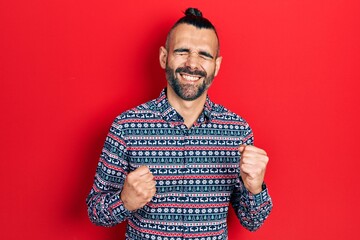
188, 91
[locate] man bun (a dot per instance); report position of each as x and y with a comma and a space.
193, 17
193, 12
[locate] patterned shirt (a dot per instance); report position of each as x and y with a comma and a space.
196, 172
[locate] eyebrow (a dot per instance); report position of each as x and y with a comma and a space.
202, 53
180, 50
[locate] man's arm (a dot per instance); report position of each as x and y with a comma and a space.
116, 190
105, 207
251, 209
250, 197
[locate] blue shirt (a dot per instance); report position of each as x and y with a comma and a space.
196, 172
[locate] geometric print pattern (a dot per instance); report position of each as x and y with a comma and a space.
196, 172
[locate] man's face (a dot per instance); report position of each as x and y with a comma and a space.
190, 60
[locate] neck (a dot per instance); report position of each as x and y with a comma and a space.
189, 110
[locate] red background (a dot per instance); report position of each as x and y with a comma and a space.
68, 67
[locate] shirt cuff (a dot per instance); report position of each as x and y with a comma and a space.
119, 210
260, 198
127, 213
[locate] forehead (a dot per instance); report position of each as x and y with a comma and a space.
185, 35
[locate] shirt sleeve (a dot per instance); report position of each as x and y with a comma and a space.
252, 210
105, 207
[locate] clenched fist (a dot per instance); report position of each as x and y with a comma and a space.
252, 167
138, 189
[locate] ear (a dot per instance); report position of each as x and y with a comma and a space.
163, 57
217, 65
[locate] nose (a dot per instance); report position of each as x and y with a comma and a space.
193, 60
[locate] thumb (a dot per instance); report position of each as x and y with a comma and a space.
142, 170
242, 148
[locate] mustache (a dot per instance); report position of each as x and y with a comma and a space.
188, 70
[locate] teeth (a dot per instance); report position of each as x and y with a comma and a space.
190, 78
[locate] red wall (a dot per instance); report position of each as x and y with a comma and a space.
68, 67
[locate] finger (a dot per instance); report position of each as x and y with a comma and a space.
253, 157
250, 164
253, 149
249, 158
142, 170
248, 168
249, 171
146, 177
242, 148
153, 183
153, 192
148, 185
245, 168
256, 169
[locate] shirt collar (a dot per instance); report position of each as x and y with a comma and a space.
169, 113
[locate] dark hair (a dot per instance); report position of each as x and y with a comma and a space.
194, 17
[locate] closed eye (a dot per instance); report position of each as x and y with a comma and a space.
185, 51
206, 55
181, 51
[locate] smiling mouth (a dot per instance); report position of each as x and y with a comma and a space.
190, 78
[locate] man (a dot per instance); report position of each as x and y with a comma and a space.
171, 166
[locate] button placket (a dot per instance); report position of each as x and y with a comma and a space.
183, 136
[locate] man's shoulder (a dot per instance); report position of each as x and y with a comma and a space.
222, 113
230, 120
143, 111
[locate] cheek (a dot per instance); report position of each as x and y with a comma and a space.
175, 62
171, 61
210, 69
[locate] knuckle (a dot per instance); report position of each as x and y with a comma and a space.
129, 182
153, 191
258, 171
144, 168
138, 191
129, 177
144, 194
148, 195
